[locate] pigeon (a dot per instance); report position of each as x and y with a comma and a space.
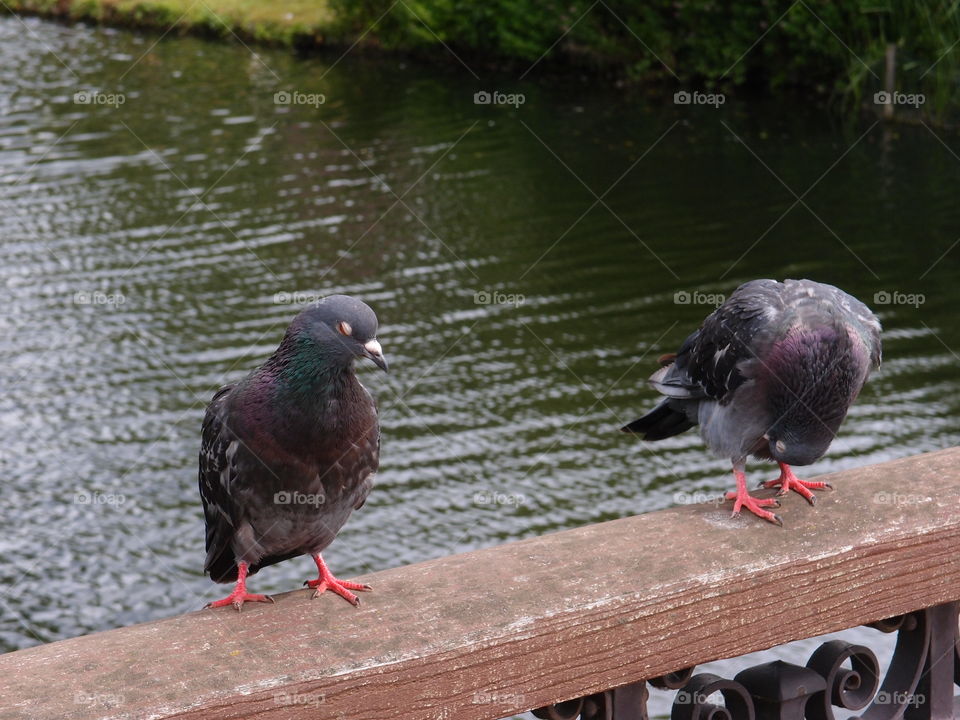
771, 374
289, 451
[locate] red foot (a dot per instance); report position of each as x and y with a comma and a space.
743, 499
240, 595
326, 581
788, 481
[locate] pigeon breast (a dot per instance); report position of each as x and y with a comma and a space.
277, 482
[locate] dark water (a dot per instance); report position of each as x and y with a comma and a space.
153, 250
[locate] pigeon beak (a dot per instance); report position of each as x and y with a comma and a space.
372, 350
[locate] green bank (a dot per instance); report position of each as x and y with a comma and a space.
286, 22
846, 52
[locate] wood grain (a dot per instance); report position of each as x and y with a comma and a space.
492, 632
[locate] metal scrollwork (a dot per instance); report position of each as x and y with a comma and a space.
918, 684
693, 701
623, 703
568, 710
851, 689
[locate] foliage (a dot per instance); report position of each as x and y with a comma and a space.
836, 47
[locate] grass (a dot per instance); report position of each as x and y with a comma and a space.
280, 23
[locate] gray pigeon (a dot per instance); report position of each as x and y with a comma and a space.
771, 373
290, 451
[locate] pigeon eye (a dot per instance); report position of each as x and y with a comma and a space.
781, 446
344, 327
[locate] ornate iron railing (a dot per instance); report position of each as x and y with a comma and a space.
918, 684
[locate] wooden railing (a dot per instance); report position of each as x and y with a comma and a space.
572, 614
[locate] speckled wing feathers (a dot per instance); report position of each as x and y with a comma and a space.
710, 362
216, 474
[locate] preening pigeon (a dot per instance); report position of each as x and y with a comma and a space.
289, 451
771, 373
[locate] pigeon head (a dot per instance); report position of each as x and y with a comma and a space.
813, 375
800, 443
341, 328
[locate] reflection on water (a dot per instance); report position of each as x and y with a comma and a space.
525, 264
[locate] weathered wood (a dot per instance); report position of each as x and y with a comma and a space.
496, 631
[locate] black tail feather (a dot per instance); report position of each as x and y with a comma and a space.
221, 566
665, 420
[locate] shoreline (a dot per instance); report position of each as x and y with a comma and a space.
313, 26
291, 24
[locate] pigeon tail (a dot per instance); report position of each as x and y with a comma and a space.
222, 567
665, 420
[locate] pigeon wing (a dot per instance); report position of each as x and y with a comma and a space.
715, 360
217, 474
373, 455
